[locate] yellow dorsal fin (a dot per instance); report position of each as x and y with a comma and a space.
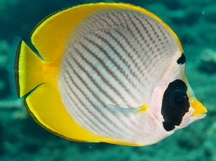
51, 35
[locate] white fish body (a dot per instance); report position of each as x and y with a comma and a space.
120, 77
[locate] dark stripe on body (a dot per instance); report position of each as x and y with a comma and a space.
84, 117
83, 104
97, 98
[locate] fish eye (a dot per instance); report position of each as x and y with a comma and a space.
178, 99
175, 104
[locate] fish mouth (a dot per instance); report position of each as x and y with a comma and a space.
200, 116
199, 109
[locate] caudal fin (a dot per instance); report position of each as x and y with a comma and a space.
28, 68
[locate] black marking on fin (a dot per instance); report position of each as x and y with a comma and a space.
175, 104
182, 59
16, 69
11, 66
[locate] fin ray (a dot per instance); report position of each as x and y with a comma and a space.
28, 69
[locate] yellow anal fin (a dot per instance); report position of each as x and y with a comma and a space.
46, 107
28, 67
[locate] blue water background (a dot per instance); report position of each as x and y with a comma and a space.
194, 21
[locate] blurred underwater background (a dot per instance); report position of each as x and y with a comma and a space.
194, 21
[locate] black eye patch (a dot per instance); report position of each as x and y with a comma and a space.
182, 59
175, 104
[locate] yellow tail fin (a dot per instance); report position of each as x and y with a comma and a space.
38, 79
28, 68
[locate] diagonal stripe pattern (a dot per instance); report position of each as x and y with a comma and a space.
113, 61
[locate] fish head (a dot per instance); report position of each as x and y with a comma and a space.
173, 101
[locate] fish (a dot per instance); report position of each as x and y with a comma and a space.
106, 72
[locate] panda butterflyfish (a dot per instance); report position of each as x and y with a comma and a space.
106, 72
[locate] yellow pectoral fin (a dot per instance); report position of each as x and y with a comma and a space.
46, 107
142, 108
